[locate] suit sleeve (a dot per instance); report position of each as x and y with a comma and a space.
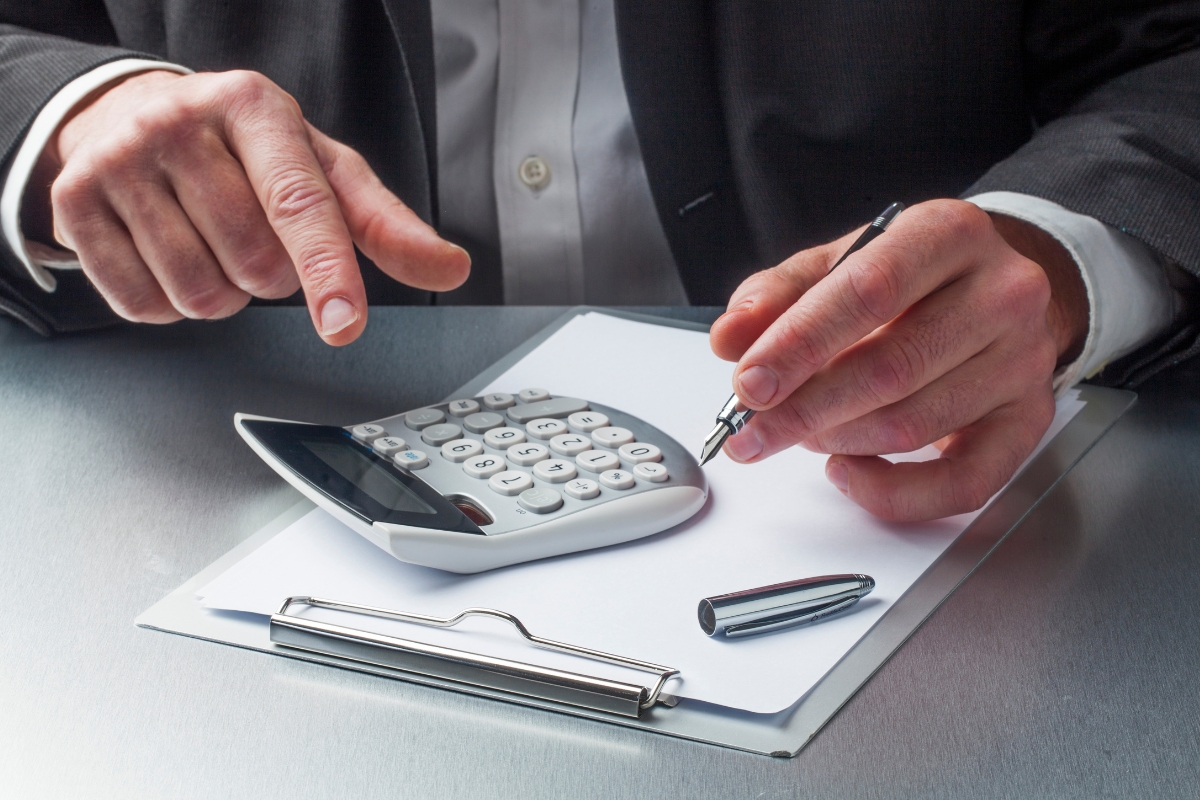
37, 59
1113, 88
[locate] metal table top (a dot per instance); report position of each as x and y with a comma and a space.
1066, 666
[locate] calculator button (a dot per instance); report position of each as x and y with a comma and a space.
388, 445
650, 471
639, 453
557, 408
367, 433
484, 466
510, 483
482, 421
545, 428
597, 460
570, 444
554, 470
587, 421
499, 400
582, 489
612, 437
411, 459
460, 408
617, 479
460, 450
532, 395
423, 417
526, 455
540, 501
438, 435
503, 438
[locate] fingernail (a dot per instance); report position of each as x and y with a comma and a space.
758, 385
744, 446
462, 250
838, 475
337, 314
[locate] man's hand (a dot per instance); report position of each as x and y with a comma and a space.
186, 195
945, 330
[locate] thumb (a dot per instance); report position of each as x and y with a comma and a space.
386, 230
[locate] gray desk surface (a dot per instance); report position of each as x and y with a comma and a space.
1068, 665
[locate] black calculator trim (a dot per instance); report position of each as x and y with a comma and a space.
284, 441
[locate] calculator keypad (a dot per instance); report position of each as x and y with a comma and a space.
537, 454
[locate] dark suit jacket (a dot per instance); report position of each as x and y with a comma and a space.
766, 125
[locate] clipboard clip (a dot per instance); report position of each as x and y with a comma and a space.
469, 669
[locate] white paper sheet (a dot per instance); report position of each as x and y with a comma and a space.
765, 523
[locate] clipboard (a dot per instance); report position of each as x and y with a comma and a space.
782, 734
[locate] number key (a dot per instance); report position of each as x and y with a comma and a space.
461, 449
484, 467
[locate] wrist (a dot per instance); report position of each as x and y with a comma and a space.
1068, 313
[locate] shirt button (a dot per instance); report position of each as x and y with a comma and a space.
534, 172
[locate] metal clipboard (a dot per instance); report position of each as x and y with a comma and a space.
782, 734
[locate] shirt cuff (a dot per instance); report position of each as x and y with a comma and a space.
37, 256
1129, 296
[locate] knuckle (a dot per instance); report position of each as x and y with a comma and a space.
803, 343
294, 193
72, 195
893, 370
142, 303
968, 489
799, 422
265, 272
203, 302
904, 431
244, 88
960, 219
876, 290
1027, 287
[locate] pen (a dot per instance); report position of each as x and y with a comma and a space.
781, 605
731, 419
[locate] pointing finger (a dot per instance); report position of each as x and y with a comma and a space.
269, 136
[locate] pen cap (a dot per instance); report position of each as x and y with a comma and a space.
781, 604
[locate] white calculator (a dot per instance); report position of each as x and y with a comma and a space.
482, 482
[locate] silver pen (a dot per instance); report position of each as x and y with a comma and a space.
731, 419
781, 605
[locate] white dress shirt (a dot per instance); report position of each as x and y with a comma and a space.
537, 156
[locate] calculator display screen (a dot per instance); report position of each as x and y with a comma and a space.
357, 467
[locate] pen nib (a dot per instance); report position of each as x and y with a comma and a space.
713, 442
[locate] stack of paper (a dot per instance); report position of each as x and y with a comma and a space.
765, 523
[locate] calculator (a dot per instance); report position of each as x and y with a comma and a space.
483, 482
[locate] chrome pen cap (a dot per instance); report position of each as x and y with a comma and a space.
781, 605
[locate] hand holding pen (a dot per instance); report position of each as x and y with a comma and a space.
946, 331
